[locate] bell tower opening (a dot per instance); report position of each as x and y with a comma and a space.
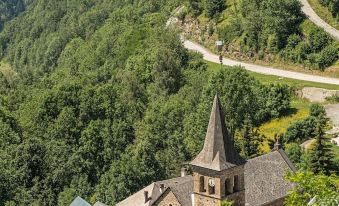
236, 184
202, 184
228, 187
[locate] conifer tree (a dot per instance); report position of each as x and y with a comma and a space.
214, 7
321, 154
251, 140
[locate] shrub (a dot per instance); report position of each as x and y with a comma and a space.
318, 39
327, 56
277, 99
214, 7
230, 31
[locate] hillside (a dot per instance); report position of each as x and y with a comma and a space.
274, 33
328, 11
99, 99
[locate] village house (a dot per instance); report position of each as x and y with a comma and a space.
219, 173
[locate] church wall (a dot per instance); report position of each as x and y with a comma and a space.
204, 198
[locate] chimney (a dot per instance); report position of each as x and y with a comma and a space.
162, 188
277, 145
147, 198
183, 172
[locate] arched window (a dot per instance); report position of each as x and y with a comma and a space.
236, 184
202, 184
228, 189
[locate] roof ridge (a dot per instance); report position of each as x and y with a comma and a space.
287, 160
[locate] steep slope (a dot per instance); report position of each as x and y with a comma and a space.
266, 32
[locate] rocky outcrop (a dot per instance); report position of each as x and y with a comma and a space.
316, 94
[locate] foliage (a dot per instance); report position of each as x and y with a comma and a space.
294, 153
304, 129
272, 29
214, 7
108, 101
251, 139
333, 6
10, 9
321, 155
333, 99
227, 203
308, 185
268, 23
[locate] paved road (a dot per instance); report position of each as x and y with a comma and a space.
209, 56
310, 13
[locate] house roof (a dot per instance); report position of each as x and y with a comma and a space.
78, 201
182, 188
264, 183
218, 152
264, 178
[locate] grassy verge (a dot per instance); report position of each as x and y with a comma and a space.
324, 13
266, 79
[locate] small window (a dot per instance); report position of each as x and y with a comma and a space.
236, 184
202, 184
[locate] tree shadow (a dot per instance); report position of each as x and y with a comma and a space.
289, 112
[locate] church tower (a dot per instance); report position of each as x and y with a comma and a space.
218, 170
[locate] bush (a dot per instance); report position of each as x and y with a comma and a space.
195, 7
277, 99
293, 41
231, 31
300, 130
214, 7
333, 99
318, 39
327, 56
305, 129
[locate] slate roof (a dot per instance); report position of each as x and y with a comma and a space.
99, 204
218, 153
78, 201
264, 183
264, 178
182, 188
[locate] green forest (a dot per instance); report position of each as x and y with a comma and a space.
100, 99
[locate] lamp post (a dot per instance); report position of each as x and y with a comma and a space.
219, 45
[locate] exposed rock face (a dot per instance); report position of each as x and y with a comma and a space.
316, 94
332, 111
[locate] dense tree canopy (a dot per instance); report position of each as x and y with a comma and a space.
108, 100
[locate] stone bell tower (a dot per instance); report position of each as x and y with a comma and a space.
218, 170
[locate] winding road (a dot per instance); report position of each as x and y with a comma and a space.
209, 56
306, 8
310, 13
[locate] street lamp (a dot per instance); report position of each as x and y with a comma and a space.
219, 45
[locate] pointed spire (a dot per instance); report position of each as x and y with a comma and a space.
218, 152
